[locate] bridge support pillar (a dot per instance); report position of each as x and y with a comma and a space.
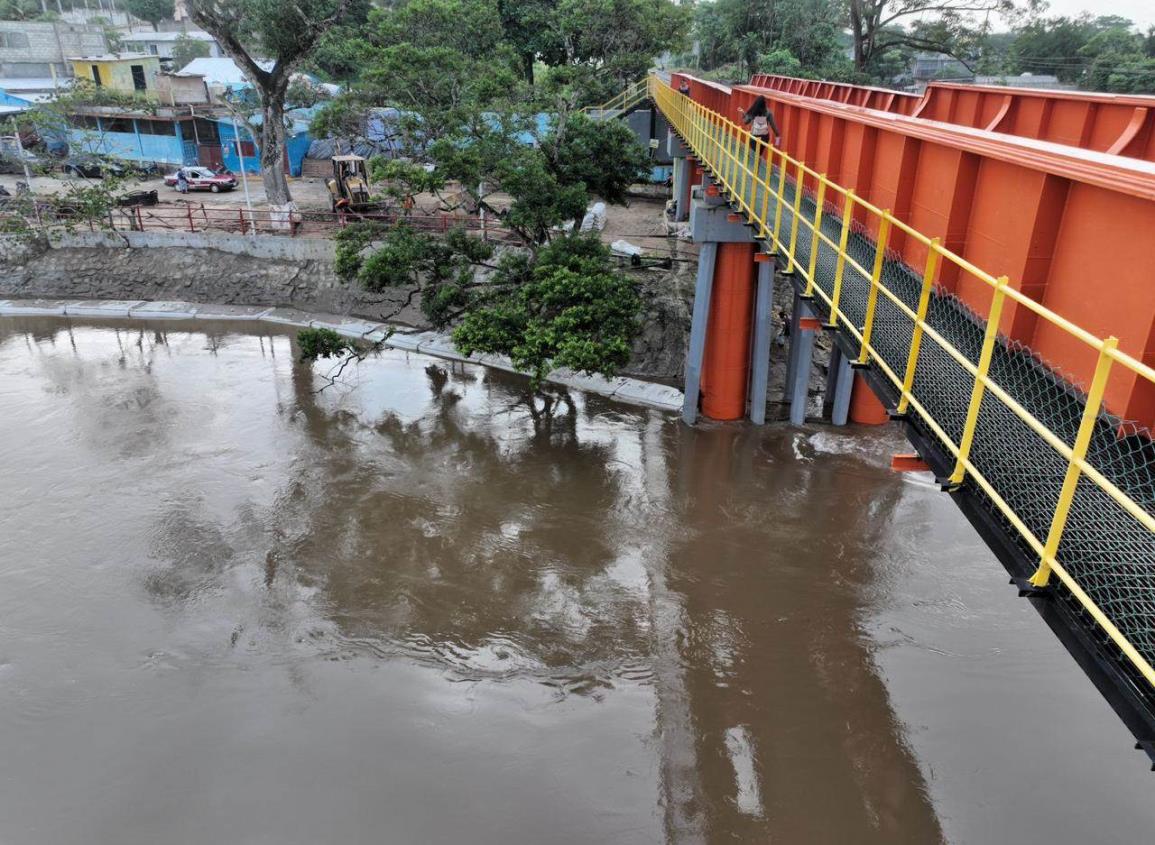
703, 289
684, 172
803, 327
718, 360
839, 384
683, 177
760, 376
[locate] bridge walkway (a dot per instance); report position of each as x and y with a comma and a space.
1062, 490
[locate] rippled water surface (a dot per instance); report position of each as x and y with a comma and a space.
237, 610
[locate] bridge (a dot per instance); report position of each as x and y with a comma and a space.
981, 259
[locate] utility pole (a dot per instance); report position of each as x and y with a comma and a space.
244, 176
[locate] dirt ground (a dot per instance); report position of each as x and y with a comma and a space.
308, 193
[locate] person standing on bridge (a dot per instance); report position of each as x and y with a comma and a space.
761, 120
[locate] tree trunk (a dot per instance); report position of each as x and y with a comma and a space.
273, 150
527, 61
857, 36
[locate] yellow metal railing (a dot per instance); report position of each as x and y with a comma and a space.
623, 101
750, 184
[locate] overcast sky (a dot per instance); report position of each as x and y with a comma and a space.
1140, 11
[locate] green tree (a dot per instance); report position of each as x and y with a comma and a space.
622, 37
558, 300
185, 49
750, 33
1117, 61
20, 10
569, 308
286, 34
152, 11
953, 27
1104, 53
529, 27
471, 27
1052, 45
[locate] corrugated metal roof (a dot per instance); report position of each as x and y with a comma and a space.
220, 70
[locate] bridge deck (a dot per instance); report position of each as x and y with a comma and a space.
1054, 482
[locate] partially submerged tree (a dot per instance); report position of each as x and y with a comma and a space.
490, 141
287, 33
557, 299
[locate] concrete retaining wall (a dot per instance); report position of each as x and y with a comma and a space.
271, 247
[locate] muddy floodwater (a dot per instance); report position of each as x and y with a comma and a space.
237, 610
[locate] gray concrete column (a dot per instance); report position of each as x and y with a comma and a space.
681, 190
760, 370
707, 255
839, 383
801, 360
675, 148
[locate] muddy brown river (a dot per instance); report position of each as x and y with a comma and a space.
237, 610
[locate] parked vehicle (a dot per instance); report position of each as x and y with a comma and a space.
92, 167
203, 179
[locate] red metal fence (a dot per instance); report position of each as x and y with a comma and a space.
295, 224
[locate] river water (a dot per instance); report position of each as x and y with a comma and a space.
234, 609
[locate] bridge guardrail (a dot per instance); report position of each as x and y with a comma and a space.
622, 101
1073, 483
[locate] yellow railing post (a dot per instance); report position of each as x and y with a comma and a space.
763, 222
875, 280
736, 148
932, 259
728, 156
799, 176
1078, 454
814, 240
778, 200
840, 268
755, 166
982, 369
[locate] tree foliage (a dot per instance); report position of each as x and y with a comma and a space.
568, 308
151, 11
322, 343
764, 35
185, 49
1103, 53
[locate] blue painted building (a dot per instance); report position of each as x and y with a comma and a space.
176, 141
144, 139
296, 146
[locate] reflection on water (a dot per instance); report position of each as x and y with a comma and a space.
403, 610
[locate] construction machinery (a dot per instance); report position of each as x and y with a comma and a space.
349, 187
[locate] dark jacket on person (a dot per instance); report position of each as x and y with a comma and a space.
760, 108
